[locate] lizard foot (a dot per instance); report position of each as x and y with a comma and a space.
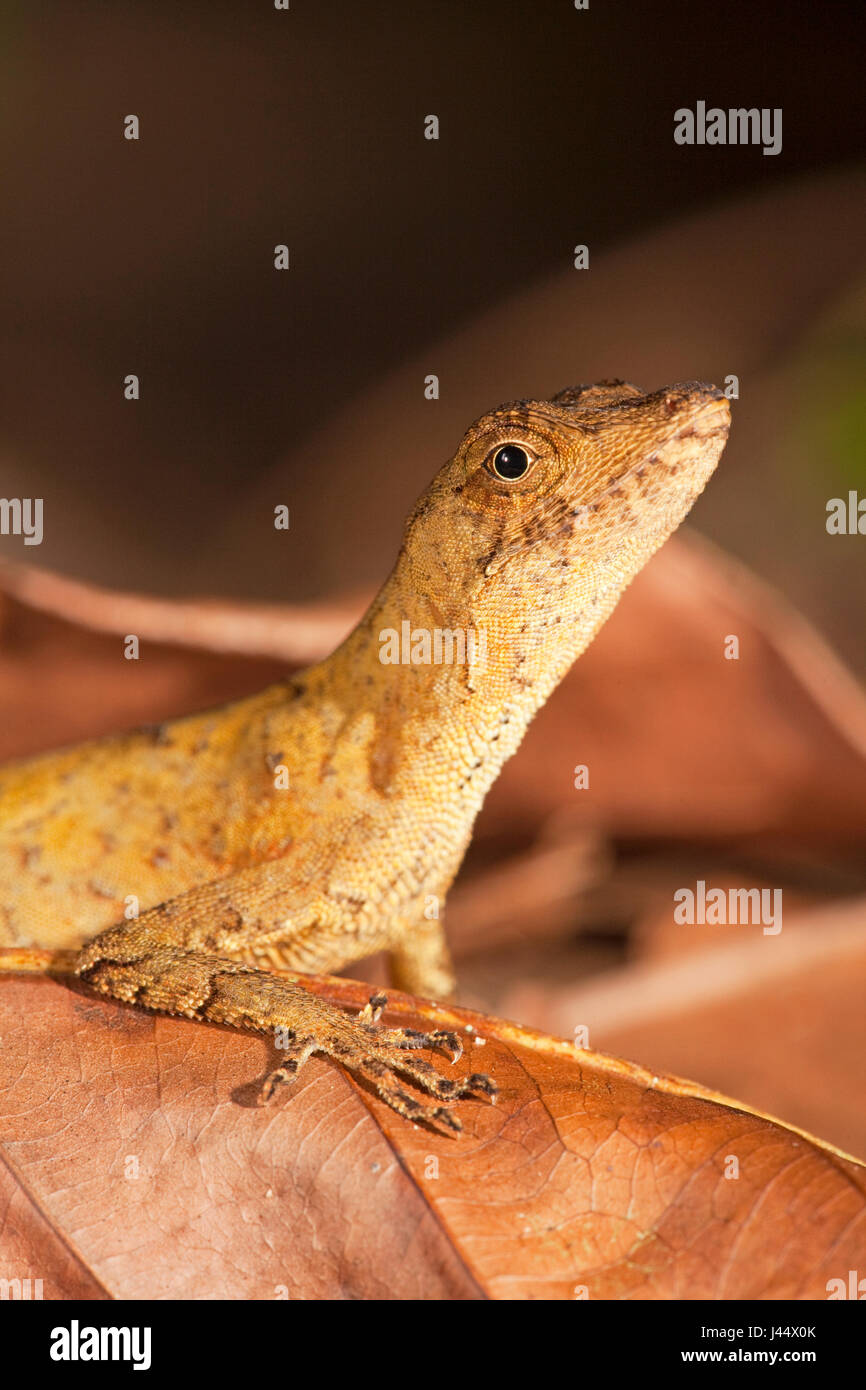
377, 1056
160, 975
410, 1038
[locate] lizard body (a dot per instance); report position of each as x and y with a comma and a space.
525, 539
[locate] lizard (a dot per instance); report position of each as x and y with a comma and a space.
324, 818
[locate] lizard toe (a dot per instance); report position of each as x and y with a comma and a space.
411, 1039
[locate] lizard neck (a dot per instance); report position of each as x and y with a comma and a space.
447, 686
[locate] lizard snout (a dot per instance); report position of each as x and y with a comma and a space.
668, 443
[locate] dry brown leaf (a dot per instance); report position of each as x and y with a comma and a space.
777, 1020
139, 1165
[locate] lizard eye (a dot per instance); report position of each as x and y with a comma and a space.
510, 462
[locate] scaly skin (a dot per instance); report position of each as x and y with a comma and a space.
388, 764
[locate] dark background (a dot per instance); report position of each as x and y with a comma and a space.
306, 127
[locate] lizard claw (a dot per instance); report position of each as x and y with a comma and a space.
411, 1039
372, 1010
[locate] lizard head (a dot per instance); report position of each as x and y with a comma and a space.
549, 508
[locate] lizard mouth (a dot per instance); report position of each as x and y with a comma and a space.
693, 439
692, 448
707, 412
681, 432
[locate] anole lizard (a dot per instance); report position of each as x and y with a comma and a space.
522, 545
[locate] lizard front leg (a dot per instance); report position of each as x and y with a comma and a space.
177, 958
421, 961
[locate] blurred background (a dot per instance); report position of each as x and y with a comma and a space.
408, 257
